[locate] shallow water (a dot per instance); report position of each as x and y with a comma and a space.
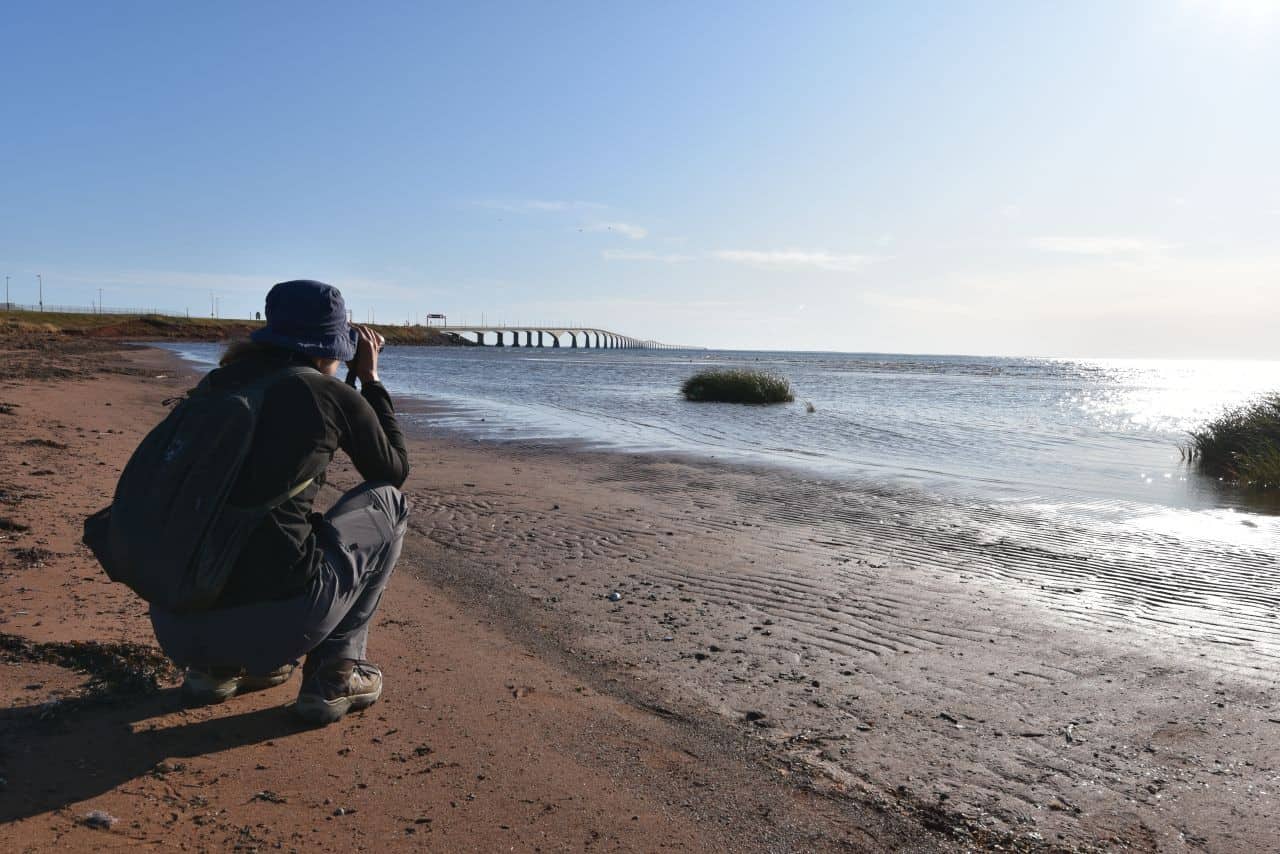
1062, 477
1080, 432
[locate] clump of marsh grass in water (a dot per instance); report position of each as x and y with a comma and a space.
1241, 445
737, 386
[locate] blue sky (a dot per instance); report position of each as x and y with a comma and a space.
991, 178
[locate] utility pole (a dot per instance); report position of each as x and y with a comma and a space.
99, 300
7, 304
40, 282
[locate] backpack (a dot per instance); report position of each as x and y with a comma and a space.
170, 533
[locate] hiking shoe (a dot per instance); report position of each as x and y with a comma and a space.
338, 687
216, 684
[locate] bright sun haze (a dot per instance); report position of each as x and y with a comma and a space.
1085, 179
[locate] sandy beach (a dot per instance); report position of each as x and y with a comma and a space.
727, 699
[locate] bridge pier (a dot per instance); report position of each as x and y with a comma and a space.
579, 338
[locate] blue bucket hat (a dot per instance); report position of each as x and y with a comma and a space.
309, 317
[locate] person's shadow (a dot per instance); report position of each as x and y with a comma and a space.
49, 759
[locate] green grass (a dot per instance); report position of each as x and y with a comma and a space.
737, 386
155, 326
1241, 445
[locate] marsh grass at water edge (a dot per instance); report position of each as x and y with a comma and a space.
737, 386
1241, 445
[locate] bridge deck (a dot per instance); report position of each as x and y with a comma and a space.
551, 336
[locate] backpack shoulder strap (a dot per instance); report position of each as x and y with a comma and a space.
275, 502
255, 391
257, 388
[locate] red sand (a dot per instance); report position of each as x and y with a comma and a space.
778, 675
488, 737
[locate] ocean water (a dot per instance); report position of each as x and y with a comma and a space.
1079, 437
1059, 478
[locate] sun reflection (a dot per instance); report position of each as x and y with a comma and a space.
1172, 396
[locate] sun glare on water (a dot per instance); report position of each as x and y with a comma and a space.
1172, 395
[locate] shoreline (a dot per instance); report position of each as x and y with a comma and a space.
488, 736
835, 652
886, 673
456, 392
145, 328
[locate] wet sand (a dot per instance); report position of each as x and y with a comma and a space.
489, 735
792, 664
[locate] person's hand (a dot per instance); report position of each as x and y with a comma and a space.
364, 366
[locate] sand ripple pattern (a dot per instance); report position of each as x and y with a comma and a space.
818, 547
1047, 674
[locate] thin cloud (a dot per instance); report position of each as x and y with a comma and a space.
201, 283
794, 259
537, 205
168, 280
1100, 245
632, 255
626, 229
919, 304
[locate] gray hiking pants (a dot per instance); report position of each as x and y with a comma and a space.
361, 537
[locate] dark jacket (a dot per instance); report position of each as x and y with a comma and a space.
304, 420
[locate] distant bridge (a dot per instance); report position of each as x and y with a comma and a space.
552, 336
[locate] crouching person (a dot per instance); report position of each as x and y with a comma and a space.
268, 581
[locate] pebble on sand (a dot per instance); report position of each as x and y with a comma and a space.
99, 819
